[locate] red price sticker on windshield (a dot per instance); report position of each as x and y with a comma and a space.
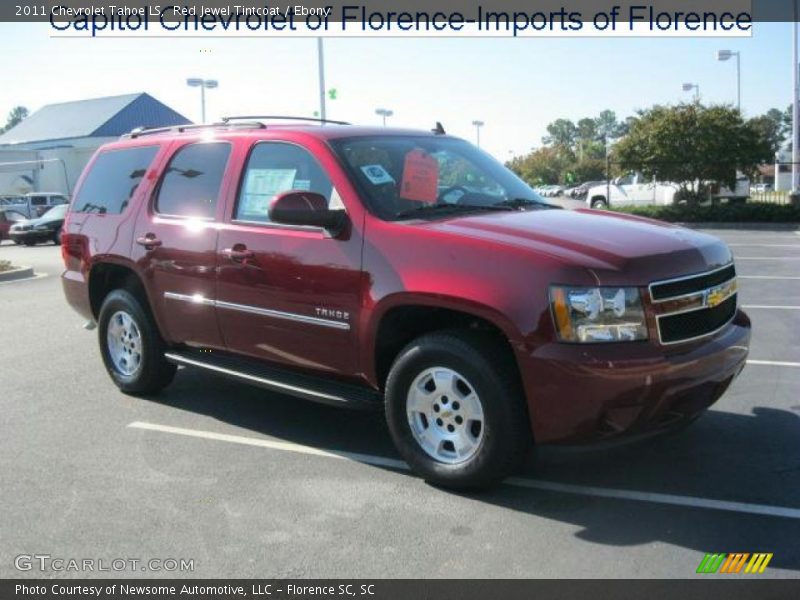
420, 177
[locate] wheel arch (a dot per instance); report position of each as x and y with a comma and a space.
404, 318
107, 275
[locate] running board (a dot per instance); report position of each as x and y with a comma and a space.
309, 387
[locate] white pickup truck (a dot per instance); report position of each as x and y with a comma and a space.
634, 189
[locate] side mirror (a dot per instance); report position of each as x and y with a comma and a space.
306, 209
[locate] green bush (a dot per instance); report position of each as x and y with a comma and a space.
749, 212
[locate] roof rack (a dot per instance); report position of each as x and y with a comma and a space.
253, 121
283, 118
140, 131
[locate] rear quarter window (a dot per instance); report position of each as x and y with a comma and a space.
113, 179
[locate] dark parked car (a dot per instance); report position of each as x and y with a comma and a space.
46, 228
402, 270
7, 218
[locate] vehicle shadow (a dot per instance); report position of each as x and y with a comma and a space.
723, 456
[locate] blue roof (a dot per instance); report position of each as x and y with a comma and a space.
110, 116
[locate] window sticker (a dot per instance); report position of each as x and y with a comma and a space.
377, 174
420, 177
302, 184
261, 186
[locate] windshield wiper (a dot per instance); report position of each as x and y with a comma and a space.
523, 203
456, 208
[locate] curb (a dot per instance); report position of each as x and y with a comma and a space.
15, 274
744, 226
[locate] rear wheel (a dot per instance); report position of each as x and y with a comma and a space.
132, 349
455, 409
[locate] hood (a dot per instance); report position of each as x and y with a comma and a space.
616, 248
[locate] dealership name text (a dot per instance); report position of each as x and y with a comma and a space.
107, 19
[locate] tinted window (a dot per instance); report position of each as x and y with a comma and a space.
112, 180
191, 184
38, 200
274, 168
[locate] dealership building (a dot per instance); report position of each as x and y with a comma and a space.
47, 151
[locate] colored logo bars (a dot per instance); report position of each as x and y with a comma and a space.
733, 563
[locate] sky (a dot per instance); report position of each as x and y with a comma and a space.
515, 86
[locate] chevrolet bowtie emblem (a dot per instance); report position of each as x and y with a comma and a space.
717, 295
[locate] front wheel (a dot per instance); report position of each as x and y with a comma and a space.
455, 409
132, 349
599, 204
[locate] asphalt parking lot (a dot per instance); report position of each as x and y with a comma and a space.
252, 484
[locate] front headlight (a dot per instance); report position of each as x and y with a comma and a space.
598, 314
46, 227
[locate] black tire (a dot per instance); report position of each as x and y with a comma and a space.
154, 372
57, 237
29, 243
599, 204
489, 368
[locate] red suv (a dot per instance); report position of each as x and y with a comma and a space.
399, 269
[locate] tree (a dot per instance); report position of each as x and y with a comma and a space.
782, 121
562, 133
542, 166
15, 116
693, 145
769, 130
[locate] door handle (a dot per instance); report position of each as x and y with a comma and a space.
149, 241
239, 253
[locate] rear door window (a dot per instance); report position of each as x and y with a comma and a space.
112, 180
191, 183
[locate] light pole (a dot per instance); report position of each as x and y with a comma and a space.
321, 67
795, 108
384, 113
478, 125
723, 55
203, 84
688, 87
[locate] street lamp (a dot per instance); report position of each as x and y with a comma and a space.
688, 87
203, 84
321, 68
723, 55
384, 113
478, 125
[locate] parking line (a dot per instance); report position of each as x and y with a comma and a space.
764, 245
272, 445
548, 486
776, 277
34, 276
766, 257
767, 307
773, 363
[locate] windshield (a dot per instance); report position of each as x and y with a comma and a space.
57, 212
420, 176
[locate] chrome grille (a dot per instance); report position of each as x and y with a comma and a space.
695, 306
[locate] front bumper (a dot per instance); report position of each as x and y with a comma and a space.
31, 235
583, 393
